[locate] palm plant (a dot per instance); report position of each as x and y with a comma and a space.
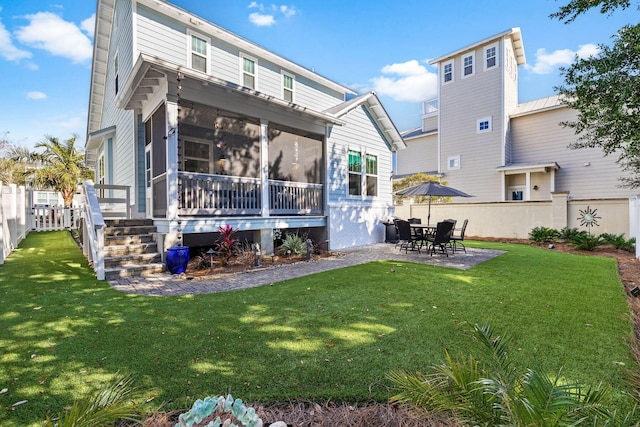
106, 407
62, 167
494, 393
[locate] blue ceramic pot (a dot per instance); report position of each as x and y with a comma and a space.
177, 259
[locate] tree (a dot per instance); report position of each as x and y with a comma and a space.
605, 91
415, 179
62, 167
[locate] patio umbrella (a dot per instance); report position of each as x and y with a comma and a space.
430, 188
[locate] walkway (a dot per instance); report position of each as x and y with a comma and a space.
166, 284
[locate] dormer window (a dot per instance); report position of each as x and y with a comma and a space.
248, 72
467, 62
447, 72
287, 87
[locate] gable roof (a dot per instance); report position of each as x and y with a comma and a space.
373, 105
513, 33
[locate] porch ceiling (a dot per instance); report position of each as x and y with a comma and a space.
152, 74
516, 168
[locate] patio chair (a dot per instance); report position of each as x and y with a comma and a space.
441, 238
457, 239
406, 238
418, 233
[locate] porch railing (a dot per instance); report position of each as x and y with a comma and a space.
93, 231
429, 108
114, 200
217, 195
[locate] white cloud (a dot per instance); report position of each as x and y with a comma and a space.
261, 20
36, 95
8, 50
406, 81
89, 25
547, 63
266, 18
53, 34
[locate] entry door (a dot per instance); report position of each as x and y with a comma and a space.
147, 180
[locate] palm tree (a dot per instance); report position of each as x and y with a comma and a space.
62, 167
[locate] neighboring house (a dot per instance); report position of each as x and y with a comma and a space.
209, 129
480, 140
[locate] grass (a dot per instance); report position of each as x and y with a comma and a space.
333, 335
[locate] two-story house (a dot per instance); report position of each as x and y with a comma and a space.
208, 129
479, 139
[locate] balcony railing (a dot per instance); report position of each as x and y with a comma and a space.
430, 108
221, 195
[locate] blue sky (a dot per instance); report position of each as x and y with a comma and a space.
381, 45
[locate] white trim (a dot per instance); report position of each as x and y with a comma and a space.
497, 56
190, 52
471, 55
482, 120
293, 85
456, 162
453, 72
242, 57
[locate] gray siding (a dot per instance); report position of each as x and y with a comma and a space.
421, 155
462, 103
538, 138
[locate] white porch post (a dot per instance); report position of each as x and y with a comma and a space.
634, 221
527, 185
503, 185
264, 166
172, 158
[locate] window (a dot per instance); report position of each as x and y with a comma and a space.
484, 125
467, 69
47, 198
447, 72
199, 53
355, 173
197, 157
490, 57
517, 195
115, 70
453, 162
372, 175
287, 87
248, 72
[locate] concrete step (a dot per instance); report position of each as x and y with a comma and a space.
130, 249
133, 270
128, 240
128, 222
129, 230
125, 260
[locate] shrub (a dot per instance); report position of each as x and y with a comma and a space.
293, 244
226, 243
567, 234
542, 235
619, 241
586, 242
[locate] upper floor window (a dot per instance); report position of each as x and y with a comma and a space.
490, 57
355, 173
248, 72
447, 72
467, 62
199, 53
483, 125
287, 87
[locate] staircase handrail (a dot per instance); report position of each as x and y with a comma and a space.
93, 239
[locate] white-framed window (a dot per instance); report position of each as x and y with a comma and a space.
490, 56
447, 72
288, 82
483, 125
355, 173
197, 156
468, 68
248, 71
198, 52
371, 173
516, 192
453, 162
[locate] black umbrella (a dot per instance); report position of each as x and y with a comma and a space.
431, 189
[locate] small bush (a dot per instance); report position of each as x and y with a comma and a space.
226, 243
619, 241
293, 244
586, 242
567, 234
542, 235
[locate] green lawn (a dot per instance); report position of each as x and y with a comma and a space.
332, 335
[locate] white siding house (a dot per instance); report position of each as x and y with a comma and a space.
208, 129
